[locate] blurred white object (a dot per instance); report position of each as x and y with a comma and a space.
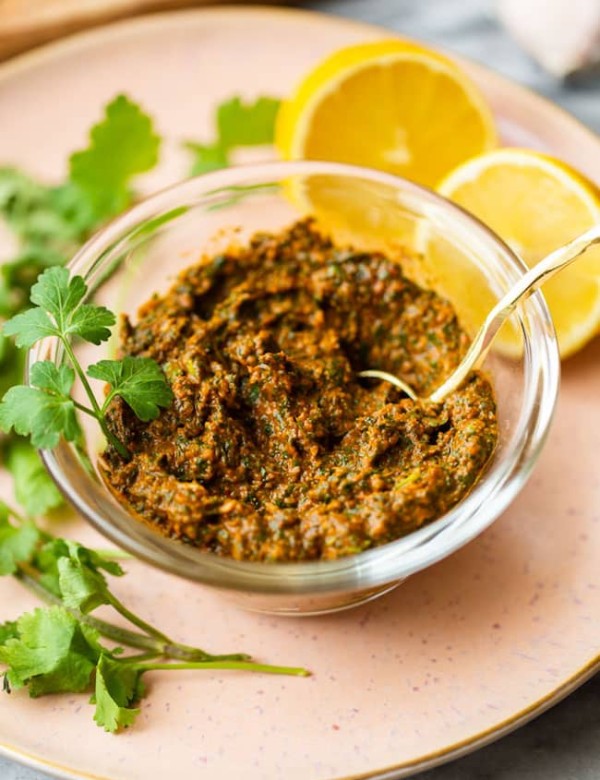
563, 35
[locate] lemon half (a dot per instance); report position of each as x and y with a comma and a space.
392, 105
536, 204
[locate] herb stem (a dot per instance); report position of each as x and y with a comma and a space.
124, 636
135, 659
114, 554
97, 411
295, 671
137, 621
194, 654
84, 409
120, 635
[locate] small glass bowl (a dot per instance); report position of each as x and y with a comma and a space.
143, 250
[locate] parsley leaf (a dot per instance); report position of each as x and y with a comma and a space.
53, 652
207, 158
54, 216
17, 543
44, 411
118, 686
33, 487
58, 295
140, 382
122, 145
18, 274
246, 124
8, 631
30, 326
61, 296
57, 380
59, 312
237, 124
12, 364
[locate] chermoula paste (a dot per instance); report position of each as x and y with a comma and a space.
274, 449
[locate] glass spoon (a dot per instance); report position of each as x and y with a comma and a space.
534, 278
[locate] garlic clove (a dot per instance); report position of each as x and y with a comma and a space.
562, 35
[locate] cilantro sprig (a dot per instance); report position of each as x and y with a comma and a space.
59, 648
45, 409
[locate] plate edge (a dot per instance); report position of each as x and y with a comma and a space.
395, 772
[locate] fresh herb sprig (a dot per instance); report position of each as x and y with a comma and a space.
44, 409
237, 124
58, 648
49, 224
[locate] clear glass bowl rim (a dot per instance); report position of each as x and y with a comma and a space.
378, 566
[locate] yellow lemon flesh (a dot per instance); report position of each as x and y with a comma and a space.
536, 204
392, 105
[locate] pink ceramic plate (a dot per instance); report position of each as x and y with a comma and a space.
459, 654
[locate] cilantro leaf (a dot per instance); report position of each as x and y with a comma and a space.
34, 489
53, 652
49, 555
207, 158
81, 587
46, 563
140, 382
122, 145
118, 686
246, 124
43, 411
17, 544
90, 558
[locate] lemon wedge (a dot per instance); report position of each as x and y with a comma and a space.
392, 105
536, 203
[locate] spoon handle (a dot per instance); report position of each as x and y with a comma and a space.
534, 278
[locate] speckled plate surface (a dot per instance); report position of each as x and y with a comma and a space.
459, 654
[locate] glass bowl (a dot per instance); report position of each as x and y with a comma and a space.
141, 252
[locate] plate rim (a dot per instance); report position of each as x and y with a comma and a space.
393, 772
138, 25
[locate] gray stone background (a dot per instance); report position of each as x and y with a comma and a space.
563, 743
